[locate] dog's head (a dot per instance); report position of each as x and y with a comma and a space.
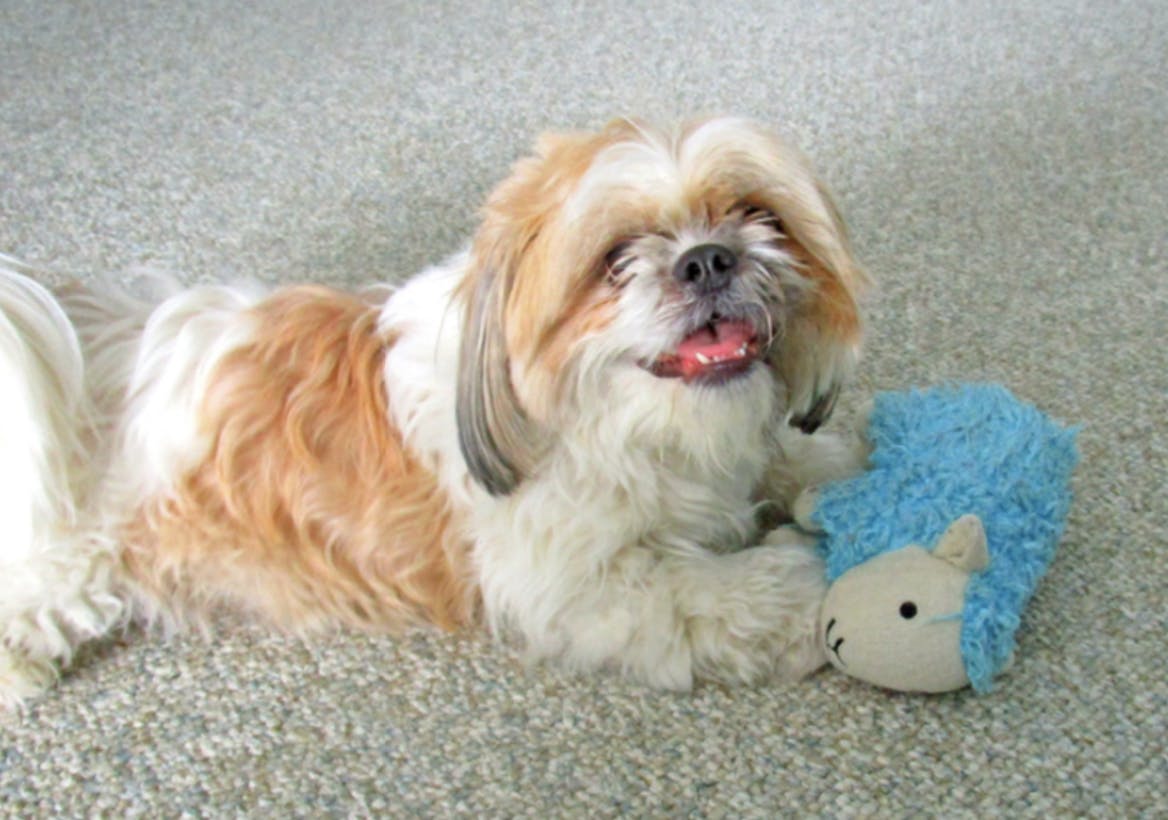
697, 270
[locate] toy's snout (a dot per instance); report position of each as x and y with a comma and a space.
895, 621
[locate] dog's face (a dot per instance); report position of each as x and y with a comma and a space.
704, 271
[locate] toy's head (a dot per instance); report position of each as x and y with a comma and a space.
895, 620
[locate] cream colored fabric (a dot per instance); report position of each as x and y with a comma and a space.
895, 621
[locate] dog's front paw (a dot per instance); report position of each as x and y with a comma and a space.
761, 620
803, 510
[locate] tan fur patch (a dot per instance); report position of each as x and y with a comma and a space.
520, 263
308, 510
834, 310
516, 243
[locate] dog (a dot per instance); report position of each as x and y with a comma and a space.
572, 432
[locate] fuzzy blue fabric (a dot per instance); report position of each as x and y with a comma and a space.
941, 453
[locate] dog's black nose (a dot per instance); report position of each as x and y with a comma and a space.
706, 267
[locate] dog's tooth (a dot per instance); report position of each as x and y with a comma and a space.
702, 358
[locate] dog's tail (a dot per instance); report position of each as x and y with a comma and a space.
150, 343
110, 317
54, 588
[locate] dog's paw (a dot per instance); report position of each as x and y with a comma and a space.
762, 619
803, 510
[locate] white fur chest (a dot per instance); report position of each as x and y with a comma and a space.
629, 481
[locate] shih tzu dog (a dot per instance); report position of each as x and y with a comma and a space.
571, 432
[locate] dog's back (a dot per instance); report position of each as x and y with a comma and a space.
252, 463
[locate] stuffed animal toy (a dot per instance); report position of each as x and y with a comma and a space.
935, 550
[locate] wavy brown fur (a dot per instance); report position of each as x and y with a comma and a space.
307, 511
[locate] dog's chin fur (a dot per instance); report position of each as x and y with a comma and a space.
496, 440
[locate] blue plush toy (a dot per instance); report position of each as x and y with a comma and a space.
934, 552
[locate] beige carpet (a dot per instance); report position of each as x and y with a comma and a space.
1005, 172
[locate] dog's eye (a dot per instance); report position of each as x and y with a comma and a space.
908, 610
618, 258
755, 213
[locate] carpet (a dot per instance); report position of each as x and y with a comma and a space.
1004, 170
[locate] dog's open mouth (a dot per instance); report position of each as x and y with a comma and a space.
721, 350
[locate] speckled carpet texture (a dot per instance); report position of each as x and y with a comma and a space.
1004, 170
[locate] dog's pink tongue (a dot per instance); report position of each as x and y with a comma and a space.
715, 353
722, 341
720, 349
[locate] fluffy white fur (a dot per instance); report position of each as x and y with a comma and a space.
628, 536
55, 572
154, 356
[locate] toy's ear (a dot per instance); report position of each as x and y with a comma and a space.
964, 545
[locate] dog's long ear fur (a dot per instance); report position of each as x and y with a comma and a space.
499, 440
821, 343
495, 434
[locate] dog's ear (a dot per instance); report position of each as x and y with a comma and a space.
821, 341
497, 438
500, 441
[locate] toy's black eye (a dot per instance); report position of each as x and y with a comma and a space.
908, 610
